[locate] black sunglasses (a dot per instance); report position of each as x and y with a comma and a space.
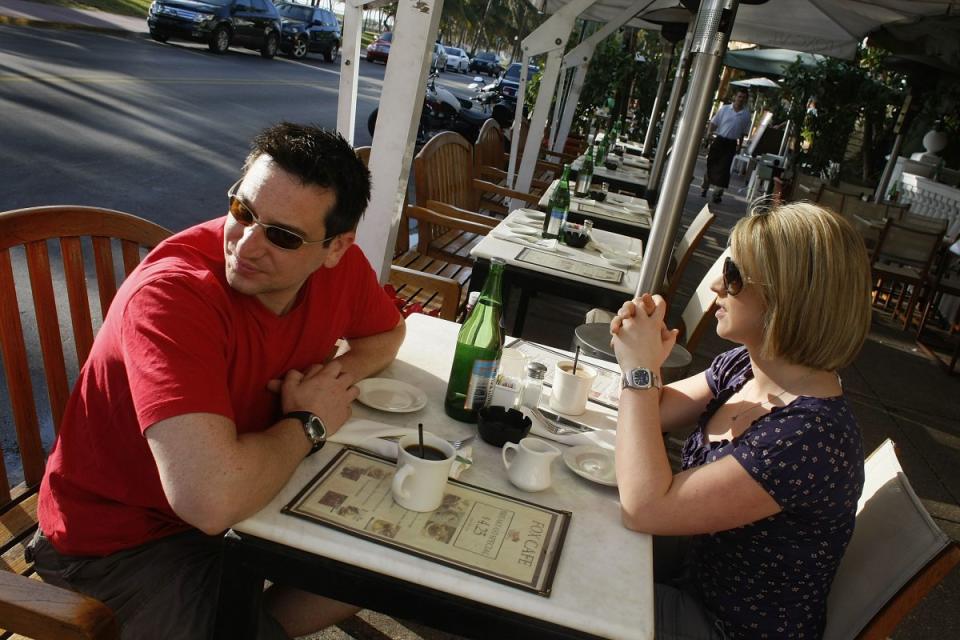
732, 278
278, 236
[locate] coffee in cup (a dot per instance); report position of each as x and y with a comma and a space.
420, 481
571, 389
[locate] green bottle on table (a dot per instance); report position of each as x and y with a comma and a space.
585, 175
557, 207
477, 357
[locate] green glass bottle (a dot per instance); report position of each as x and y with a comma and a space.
585, 175
479, 346
558, 206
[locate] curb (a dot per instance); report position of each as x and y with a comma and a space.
17, 21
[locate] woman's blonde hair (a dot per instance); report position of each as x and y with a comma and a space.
813, 273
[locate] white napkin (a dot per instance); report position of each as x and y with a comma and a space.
368, 435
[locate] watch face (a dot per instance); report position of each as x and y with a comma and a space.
641, 377
316, 429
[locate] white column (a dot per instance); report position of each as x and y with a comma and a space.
393, 141
349, 68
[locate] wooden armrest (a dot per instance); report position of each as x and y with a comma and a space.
446, 287
492, 173
543, 165
451, 217
43, 611
489, 187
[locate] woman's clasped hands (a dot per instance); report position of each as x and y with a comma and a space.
640, 335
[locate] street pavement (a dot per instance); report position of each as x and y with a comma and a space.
896, 391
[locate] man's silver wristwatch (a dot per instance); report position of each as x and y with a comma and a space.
313, 428
640, 378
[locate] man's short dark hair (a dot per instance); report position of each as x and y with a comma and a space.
742, 90
319, 157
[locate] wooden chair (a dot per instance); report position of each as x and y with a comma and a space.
444, 182
903, 257
686, 248
896, 556
491, 160
28, 606
831, 199
866, 218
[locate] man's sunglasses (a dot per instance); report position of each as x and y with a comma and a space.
732, 278
278, 236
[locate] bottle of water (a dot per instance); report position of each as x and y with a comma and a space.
585, 175
558, 207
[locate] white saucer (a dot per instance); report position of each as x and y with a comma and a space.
391, 395
593, 463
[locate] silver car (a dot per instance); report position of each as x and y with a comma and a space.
457, 59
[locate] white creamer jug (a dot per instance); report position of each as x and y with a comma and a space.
529, 466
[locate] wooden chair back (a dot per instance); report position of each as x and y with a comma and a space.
866, 210
929, 223
112, 243
896, 556
903, 243
831, 199
686, 247
696, 316
490, 148
443, 171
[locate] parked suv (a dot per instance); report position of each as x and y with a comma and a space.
438, 60
254, 24
486, 62
509, 83
307, 28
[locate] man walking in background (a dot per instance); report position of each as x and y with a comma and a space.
731, 124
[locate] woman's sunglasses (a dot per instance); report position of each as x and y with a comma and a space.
732, 278
278, 236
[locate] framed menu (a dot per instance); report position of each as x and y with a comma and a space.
569, 265
475, 530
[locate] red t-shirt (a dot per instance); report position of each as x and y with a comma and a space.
178, 339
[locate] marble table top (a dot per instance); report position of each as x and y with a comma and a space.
604, 580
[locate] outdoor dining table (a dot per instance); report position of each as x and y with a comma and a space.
603, 586
633, 148
619, 212
629, 176
533, 267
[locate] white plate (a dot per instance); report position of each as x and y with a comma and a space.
593, 463
391, 395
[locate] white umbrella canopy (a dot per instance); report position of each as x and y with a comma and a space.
756, 83
829, 27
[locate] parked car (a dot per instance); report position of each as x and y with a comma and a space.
379, 49
438, 61
457, 59
307, 28
486, 62
509, 83
254, 24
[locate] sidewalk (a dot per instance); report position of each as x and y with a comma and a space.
25, 13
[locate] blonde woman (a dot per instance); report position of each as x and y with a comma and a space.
772, 473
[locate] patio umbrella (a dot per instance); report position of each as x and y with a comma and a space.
830, 27
771, 62
756, 83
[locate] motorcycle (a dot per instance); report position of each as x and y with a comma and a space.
442, 111
492, 101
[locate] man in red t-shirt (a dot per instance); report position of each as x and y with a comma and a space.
208, 383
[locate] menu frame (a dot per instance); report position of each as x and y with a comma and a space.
553, 261
547, 554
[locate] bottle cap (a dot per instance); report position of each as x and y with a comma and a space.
536, 370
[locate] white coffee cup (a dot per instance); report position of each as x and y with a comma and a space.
419, 483
570, 392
